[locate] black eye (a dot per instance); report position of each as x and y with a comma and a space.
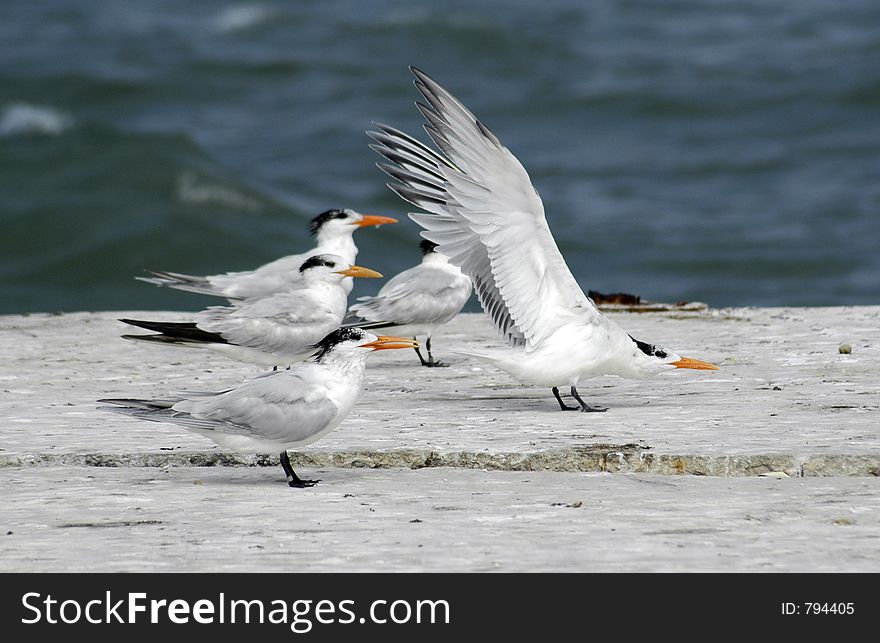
330, 264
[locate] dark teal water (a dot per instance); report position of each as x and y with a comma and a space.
719, 151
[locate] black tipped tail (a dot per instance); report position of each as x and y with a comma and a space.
153, 410
174, 333
145, 405
356, 321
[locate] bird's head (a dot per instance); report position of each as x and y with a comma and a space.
648, 359
356, 343
339, 222
332, 268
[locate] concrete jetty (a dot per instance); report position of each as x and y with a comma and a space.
770, 463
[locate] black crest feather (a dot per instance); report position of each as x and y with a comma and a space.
337, 337
324, 217
649, 349
317, 260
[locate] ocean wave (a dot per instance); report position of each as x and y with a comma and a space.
21, 118
240, 17
193, 190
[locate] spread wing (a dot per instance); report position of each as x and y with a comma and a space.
486, 216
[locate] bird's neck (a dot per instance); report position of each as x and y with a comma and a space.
435, 259
338, 243
347, 367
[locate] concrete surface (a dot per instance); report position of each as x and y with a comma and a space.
439, 519
786, 404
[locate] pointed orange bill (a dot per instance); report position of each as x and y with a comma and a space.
360, 271
372, 219
687, 362
386, 342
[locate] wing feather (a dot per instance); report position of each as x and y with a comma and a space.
419, 295
486, 216
282, 407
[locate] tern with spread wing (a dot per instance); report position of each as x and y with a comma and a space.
280, 410
416, 301
333, 230
486, 216
276, 330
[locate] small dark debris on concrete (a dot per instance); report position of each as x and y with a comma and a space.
113, 523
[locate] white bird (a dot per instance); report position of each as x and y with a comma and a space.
278, 329
416, 301
279, 410
333, 230
486, 216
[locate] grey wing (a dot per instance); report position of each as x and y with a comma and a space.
279, 407
420, 295
277, 324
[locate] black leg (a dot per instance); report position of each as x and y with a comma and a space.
431, 361
585, 408
292, 479
562, 405
419, 353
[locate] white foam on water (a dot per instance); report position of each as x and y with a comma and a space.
240, 17
190, 189
25, 118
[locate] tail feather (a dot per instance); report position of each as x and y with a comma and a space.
161, 411
174, 278
488, 357
162, 339
178, 281
174, 332
144, 405
353, 320
153, 410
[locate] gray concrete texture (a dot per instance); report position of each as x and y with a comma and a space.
499, 477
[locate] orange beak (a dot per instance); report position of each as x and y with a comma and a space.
687, 362
386, 342
372, 219
360, 271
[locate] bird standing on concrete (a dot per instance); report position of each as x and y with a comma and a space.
279, 329
333, 230
486, 216
416, 301
280, 410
